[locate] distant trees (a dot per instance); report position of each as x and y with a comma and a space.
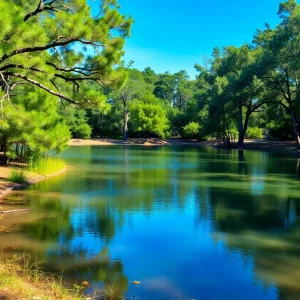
149, 116
257, 78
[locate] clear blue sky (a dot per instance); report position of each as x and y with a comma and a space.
172, 35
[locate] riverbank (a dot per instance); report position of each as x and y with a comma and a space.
22, 279
139, 142
250, 144
7, 186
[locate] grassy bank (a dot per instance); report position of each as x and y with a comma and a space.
13, 177
22, 279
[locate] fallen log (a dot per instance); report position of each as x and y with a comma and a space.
14, 211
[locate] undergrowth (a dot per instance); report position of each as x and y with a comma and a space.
24, 278
46, 165
17, 176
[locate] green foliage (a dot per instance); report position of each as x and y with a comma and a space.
44, 44
32, 124
17, 176
46, 164
82, 131
149, 116
191, 130
254, 133
281, 130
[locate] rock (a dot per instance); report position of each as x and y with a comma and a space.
85, 283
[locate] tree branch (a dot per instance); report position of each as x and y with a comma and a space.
45, 47
41, 7
9, 66
38, 84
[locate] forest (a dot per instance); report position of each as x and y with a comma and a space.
62, 75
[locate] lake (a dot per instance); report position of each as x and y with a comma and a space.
186, 222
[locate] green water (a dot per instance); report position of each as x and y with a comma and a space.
186, 222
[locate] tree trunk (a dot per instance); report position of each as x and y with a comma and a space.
240, 125
5, 157
125, 129
295, 127
243, 127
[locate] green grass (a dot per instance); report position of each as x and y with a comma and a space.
17, 176
23, 278
47, 165
111, 292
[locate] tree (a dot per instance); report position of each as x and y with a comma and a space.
32, 125
149, 116
77, 121
191, 130
42, 43
279, 65
134, 88
150, 76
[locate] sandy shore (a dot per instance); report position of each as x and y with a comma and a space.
134, 142
253, 144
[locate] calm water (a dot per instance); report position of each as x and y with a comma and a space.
186, 222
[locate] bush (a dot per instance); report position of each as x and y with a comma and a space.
282, 130
82, 131
17, 176
254, 133
191, 130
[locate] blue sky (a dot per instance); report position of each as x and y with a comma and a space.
172, 35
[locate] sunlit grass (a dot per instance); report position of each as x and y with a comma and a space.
22, 277
46, 165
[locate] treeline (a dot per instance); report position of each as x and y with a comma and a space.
62, 75
249, 91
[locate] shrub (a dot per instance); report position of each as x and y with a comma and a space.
17, 176
254, 133
191, 130
83, 131
281, 129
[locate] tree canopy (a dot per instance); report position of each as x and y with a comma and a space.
62, 47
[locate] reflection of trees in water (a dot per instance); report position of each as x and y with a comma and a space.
230, 189
98, 269
83, 213
266, 226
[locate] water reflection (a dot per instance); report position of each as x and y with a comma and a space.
203, 223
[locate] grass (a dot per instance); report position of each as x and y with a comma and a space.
24, 278
111, 292
47, 165
17, 176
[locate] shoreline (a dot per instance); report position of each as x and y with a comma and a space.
249, 144
287, 147
8, 186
